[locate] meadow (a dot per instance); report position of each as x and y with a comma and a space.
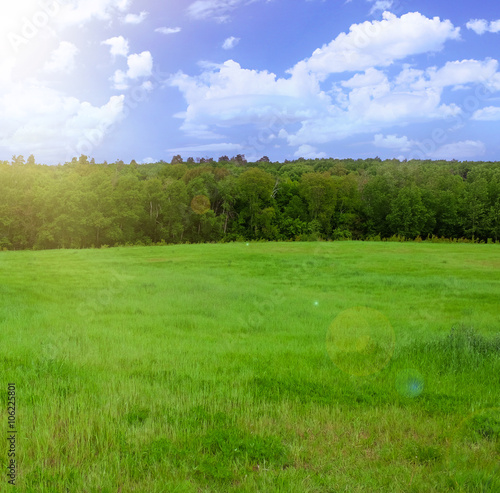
234, 368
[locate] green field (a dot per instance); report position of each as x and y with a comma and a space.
232, 367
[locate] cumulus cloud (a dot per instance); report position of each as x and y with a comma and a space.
490, 113
230, 43
298, 109
62, 59
229, 95
309, 152
81, 11
168, 30
135, 18
457, 74
379, 44
36, 115
371, 77
392, 142
463, 150
481, 26
380, 5
139, 65
118, 46
49, 123
462, 72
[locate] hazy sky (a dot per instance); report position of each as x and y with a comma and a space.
148, 79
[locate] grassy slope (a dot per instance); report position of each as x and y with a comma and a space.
205, 368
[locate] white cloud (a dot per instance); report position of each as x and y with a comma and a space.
230, 43
81, 11
461, 72
139, 65
371, 77
381, 5
495, 26
214, 9
118, 46
168, 30
299, 110
379, 43
49, 123
392, 142
120, 80
218, 10
35, 115
464, 150
490, 113
309, 152
229, 95
62, 59
480, 26
135, 18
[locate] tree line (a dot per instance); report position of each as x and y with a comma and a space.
83, 204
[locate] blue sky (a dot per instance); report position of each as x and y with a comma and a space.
149, 79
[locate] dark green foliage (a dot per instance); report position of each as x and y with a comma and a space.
84, 205
309, 392
461, 350
423, 454
475, 481
232, 443
485, 425
163, 450
137, 416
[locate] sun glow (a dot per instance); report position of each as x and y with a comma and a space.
28, 35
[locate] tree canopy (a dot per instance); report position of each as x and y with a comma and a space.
81, 203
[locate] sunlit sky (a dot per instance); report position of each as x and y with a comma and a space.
149, 79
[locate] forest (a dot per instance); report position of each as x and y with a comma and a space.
84, 204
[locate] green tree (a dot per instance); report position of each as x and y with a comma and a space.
255, 189
175, 210
228, 190
318, 190
408, 214
474, 207
377, 195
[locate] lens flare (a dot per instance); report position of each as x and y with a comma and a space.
409, 383
200, 204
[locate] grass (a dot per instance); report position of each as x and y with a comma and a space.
311, 367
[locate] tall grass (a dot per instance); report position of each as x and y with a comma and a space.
206, 368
